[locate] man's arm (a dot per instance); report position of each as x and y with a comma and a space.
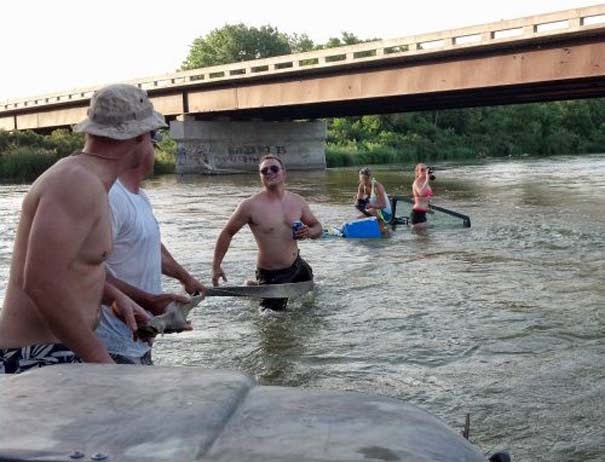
171, 268
154, 303
124, 307
314, 229
360, 192
240, 217
55, 277
416, 189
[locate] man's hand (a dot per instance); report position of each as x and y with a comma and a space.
132, 314
193, 286
158, 303
302, 233
217, 274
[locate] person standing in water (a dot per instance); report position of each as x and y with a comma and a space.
422, 192
372, 199
57, 276
137, 263
270, 214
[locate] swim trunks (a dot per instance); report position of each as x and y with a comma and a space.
300, 271
418, 216
21, 359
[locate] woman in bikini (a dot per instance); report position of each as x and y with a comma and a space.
422, 192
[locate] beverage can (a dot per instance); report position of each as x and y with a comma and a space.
295, 227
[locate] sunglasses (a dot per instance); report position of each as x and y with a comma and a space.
265, 170
155, 136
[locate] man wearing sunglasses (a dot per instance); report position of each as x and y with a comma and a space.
271, 214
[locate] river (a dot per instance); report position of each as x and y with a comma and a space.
503, 320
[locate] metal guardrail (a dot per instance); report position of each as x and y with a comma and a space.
546, 25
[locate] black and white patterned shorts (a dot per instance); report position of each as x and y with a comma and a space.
21, 359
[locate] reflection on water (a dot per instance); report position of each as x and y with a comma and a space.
503, 320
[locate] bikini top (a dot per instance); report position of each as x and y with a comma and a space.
428, 192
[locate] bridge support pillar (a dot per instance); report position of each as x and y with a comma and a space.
220, 147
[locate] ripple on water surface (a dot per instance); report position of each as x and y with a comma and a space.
503, 320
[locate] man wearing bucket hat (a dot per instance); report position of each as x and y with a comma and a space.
57, 275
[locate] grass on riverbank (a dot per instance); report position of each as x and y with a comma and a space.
24, 164
351, 154
24, 156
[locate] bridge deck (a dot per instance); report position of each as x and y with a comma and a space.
546, 27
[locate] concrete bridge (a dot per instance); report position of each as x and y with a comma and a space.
225, 117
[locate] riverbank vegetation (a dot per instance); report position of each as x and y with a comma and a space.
537, 129
25, 155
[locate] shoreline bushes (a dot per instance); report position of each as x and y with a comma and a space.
536, 129
25, 155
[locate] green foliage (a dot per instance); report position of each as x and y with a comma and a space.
301, 43
538, 129
60, 142
346, 38
167, 144
165, 162
238, 42
65, 142
24, 163
25, 155
165, 155
235, 43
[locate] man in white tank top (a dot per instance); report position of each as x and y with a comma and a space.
136, 264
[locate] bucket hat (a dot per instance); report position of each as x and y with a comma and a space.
120, 112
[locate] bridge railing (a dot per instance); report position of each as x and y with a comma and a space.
551, 24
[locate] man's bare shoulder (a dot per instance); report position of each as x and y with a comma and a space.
71, 181
254, 200
296, 197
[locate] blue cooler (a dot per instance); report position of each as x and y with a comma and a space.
362, 228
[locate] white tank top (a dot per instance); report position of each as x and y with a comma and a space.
136, 259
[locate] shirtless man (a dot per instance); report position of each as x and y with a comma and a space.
270, 215
57, 273
422, 192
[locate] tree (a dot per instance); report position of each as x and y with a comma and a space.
299, 43
235, 43
346, 38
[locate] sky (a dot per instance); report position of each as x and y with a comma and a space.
56, 45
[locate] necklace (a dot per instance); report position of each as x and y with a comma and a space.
100, 156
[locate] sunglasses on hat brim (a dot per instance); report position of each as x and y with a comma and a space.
155, 136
